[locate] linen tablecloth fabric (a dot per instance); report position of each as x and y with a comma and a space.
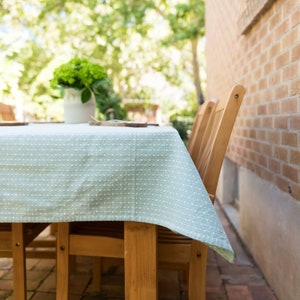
67, 172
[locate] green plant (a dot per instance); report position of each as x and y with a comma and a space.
80, 74
108, 103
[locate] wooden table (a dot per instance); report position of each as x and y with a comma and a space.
65, 173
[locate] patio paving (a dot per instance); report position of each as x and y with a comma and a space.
239, 281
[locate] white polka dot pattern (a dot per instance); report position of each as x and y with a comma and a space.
68, 172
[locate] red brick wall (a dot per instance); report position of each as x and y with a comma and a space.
266, 59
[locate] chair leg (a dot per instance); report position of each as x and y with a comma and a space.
19, 261
97, 268
62, 262
72, 264
197, 271
140, 247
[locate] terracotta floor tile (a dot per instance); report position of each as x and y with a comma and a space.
238, 292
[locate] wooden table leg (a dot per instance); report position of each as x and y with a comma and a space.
19, 261
62, 262
140, 243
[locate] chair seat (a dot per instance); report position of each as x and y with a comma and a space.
115, 229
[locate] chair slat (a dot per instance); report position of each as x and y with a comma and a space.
6, 112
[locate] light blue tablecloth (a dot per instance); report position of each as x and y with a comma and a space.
67, 172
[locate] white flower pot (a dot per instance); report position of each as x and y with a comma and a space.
74, 110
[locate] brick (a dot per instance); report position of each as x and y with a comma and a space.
290, 72
268, 122
252, 133
255, 145
281, 91
281, 122
295, 157
263, 58
5, 263
267, 175
273, 108
291, 38
267, 149
282, 60
238, 292
290, 172
289, 106
262, 109
295, 52
44, 296
236, 275
257, 122
275, 78
274, 50
252, 111
281, 153
263, 84
35, 278
261, 135
294, 88
263, 31
45, 264
295, 17
275, 19
282, 183
262, 293
257, 74
267, 41
281, 30
289, 139
274, 137
262, 160
295, 122
254, 63
5, 294
268, 68
274, 165
257, 50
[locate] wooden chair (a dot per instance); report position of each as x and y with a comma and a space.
174, 251
216, 137
15, 237
6, 112
199, 127
212, 145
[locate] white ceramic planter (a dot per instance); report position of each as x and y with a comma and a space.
74, 110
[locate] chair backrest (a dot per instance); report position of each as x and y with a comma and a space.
216, 138
6, 112
199, 128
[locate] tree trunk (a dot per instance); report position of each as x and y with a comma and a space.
196, 71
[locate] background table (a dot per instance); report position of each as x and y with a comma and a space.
67, 172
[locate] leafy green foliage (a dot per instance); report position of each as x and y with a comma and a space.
124, 36
80, 74
187, 21
108, 103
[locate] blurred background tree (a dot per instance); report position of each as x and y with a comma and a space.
148, 47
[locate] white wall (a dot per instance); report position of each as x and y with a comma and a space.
269, 224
